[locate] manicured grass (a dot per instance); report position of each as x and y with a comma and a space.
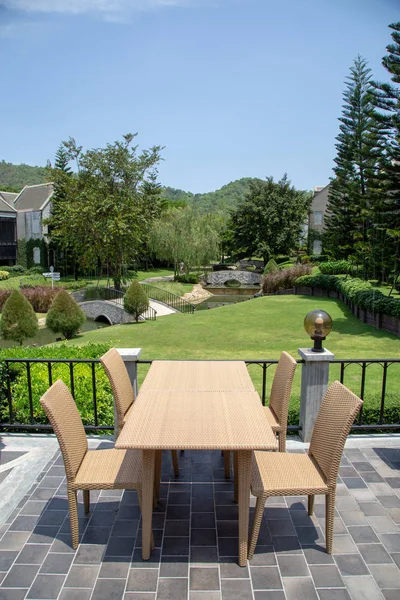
175, 287
260, 329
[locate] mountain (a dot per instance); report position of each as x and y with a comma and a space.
17, 176
222, 200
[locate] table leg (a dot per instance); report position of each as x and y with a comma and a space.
244, 480
147, 501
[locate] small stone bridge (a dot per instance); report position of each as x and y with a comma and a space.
245, 277
114, 312
106, 309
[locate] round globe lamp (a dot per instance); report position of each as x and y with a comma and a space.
318, 324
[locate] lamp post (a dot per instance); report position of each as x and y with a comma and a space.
318, 324
315, 370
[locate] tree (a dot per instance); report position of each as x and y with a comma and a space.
136, 301
356, 163
186, 236
18, 320
387, 101
65, 315
109, 205
269, 221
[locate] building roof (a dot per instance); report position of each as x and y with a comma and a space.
5, 206
34, 197
8, 196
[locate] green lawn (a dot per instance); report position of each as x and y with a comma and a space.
260, 329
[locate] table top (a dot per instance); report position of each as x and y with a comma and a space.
197, 420
197, 375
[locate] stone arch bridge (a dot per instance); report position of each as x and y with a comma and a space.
114, 312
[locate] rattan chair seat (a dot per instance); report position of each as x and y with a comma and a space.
272, 420
280, 474
109, 469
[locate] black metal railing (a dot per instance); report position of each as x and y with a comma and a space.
354, 373
21, 387
168, 298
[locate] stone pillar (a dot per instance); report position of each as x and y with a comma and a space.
130, 357
314, 383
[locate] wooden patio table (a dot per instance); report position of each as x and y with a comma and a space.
197, 420
197, 375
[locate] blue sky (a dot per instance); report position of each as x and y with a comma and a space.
231, 88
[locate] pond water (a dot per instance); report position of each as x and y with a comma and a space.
46, 336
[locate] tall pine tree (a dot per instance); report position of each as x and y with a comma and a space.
348, 219
387, 213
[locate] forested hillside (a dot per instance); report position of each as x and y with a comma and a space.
221, 200
16, 176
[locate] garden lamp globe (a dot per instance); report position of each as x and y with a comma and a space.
318, 324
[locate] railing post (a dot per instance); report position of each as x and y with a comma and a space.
130, 357
314, 383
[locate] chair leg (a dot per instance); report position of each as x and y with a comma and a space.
255, 530
73, 517
329, 520
311, 499
282, 441
227, 463
174, 455
86, 501
235, 477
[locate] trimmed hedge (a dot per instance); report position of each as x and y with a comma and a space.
356, 290
335, 267
191, 278
319, 258
40, 382
4, 275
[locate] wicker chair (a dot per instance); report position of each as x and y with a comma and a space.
285, 474
277, 411
124, 397
87, 469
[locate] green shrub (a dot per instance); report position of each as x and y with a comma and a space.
40, 382
319, 258
38, 270
335, 267
282, 258
65, 315
4, 275
191, 278
14, 270
18, 320
31, 281
136, 301
305, 259
283, 279
271, 267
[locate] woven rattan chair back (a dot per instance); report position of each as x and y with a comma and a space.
120, 383
63, 415
335, 418
281, 388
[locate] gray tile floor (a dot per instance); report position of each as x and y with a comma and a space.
195, 530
